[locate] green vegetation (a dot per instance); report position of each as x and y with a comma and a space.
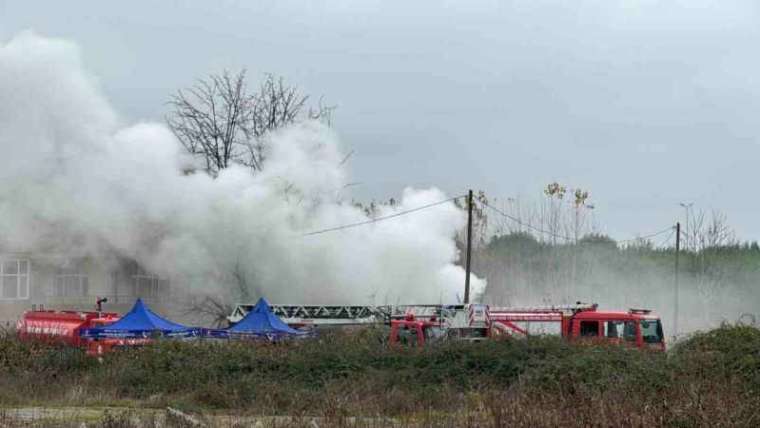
711, 379
717, 283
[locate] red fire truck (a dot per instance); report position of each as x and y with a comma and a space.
638, 328
584, 322
417, 325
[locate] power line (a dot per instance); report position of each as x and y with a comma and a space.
667, 239
567, 238
529, 226
377, 219
645, 237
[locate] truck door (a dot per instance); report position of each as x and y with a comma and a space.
631, 334
586, 329
589, 329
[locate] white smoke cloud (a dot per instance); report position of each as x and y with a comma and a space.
75, 179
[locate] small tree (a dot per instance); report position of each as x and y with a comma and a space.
555, 193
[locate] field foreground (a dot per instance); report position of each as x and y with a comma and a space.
710, 379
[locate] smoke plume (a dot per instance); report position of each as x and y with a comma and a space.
75, 179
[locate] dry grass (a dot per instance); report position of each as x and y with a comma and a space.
712, 379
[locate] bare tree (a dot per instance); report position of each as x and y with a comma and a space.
209, 309
554, 192
219, 122
212, 118
702, 231
704, 236
555, 219
480, 228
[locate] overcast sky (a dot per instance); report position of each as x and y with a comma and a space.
644, 103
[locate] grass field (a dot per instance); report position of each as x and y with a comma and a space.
711, 379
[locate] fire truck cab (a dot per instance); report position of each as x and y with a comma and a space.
637, 327
413, 332
425, 323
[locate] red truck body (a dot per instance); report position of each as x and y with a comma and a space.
60, 326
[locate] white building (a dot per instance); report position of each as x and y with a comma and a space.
55, 281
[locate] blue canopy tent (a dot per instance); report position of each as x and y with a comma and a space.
260, 322
141, 322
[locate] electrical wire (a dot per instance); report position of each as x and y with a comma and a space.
514, 219
667, 239
645, 237
567, 238
377, 219
529, 226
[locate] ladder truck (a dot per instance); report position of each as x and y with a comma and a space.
417, 325
639, 328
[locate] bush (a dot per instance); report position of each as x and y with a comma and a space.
728, 352
712, 375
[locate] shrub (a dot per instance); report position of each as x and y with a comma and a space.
711, 375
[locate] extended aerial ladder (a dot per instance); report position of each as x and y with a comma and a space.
346, 315
474, 322
504, 319
335, 315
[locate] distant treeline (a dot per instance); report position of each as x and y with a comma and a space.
716, 283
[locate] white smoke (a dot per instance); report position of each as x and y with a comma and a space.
73, 179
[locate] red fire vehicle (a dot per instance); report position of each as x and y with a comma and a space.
423, 323
418, 325
583, 322
60, 326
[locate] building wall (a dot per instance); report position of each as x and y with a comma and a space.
64, 283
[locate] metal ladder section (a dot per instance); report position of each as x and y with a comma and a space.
346, 314
382, 314
538, 313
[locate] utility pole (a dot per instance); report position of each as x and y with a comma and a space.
675, 303
469, 249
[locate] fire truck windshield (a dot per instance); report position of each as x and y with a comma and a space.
651, 331
434, 333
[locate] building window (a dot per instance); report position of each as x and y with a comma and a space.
148, 285
71, 280
14, 279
